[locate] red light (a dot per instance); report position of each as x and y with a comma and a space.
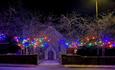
93, 37
45, 37
88, 39
110, 46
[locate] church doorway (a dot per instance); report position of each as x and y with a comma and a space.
50, 55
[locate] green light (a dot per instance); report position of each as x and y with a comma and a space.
42, 45
100, 41
81, 43
90, 44
40, 40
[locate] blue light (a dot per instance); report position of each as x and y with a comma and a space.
3, 37
106, 40
46, 44
113, 45
27, 44
20, 39
67, 44
62, 41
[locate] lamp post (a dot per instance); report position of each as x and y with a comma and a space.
97, 8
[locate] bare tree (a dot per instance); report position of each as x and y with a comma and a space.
74, 26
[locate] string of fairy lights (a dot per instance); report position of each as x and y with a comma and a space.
32, 42
45, 41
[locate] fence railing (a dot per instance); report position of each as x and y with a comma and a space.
88, 60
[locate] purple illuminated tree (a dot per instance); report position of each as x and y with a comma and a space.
74, 26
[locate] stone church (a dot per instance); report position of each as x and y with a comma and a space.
55, 49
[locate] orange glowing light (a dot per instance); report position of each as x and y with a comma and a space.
110, 46
93, 37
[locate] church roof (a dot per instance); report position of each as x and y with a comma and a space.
52, 34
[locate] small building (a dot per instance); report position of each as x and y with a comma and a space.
55, 49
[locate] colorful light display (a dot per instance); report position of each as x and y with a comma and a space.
44, 41
32, 42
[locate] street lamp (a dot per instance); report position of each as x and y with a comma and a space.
103, 2
98, 4
96, 8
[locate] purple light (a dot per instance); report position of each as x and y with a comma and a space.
113, 45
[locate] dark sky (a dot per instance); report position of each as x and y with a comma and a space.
57, 6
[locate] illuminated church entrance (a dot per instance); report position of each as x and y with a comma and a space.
50, 55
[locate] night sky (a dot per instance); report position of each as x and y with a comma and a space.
58, 6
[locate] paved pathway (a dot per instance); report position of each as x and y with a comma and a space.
50, 62
50, 65
50, 68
